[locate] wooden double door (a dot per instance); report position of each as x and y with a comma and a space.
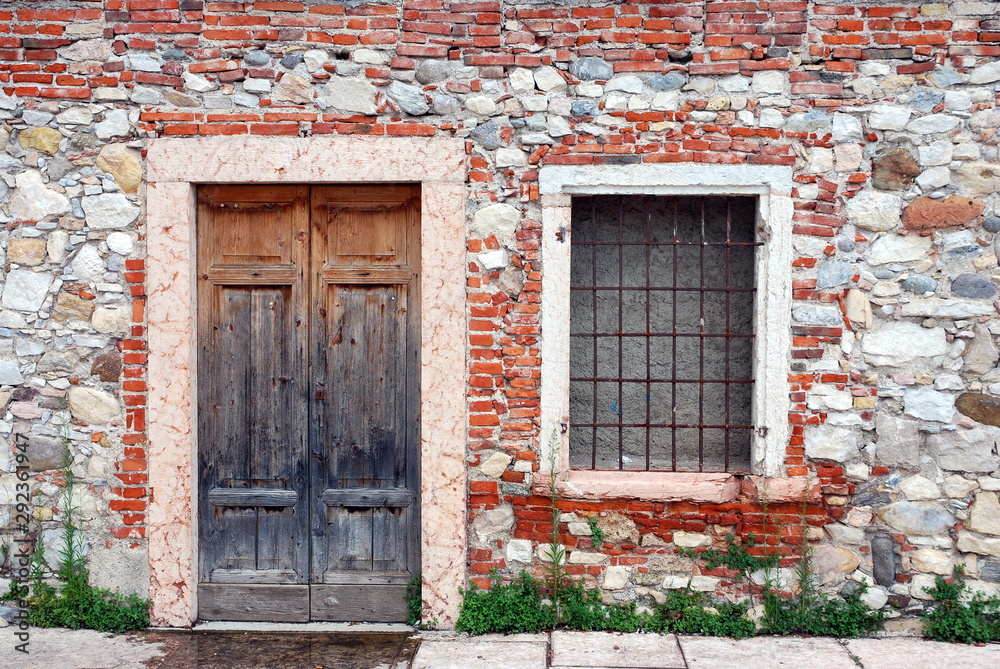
308, 401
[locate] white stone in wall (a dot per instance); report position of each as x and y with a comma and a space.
874, 210
962, 450
256, 85
980, 178
109, 211
985, 514
845, 534
820, 160
858, 308
88, 264
75, 116
33, 200
957, 487
197, 83
941, 308
771, 118
10, 374
315, 59
935, 123
548, 79
684, 539
848, 157
816, 314
499, 219
769, 82
142, 62
919, 488
986, 73
900, 343
928, 404
97, 50
480, 105
888, 117
25, 290
557, 126
587, 90
496, 464
522, 81
935, 177
936, 153
615, 577
111, 320
970, 543
519, 550
830, 442
846, 128
351, 95
120, 243
628, 83
931, 561
93, 406
826, 397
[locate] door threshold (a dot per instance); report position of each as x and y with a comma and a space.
313, 628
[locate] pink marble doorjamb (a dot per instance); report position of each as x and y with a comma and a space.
174, 167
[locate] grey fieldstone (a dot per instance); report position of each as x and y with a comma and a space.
935, 123
409, 98
989, 570
883, 560
176, 53
257, 58
291, 60
591, 69
926, 100
46, 453
833, 273
813, 121
487, 135
898, 440
919, 283
981, 354
671, 81
973, 285
991, 224
583, 108
432, 71
445, 104
814, 314
919, 518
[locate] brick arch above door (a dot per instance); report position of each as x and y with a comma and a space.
174, 167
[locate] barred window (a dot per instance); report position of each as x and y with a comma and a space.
662, 332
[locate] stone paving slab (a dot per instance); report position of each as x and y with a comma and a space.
923, 654
767, 653
610, 650
481, 653
76, 649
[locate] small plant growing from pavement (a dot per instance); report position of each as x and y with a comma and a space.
960, 615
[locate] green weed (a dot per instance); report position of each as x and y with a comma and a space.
957, 616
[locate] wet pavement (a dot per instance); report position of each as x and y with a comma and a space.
398, 647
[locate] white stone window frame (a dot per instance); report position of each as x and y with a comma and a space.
772, 185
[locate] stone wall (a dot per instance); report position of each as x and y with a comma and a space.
887, 113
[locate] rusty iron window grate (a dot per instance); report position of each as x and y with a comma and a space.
662, 332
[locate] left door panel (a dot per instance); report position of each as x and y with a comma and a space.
253, 250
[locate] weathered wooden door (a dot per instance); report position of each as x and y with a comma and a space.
308, 401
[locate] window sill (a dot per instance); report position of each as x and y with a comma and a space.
710, 488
